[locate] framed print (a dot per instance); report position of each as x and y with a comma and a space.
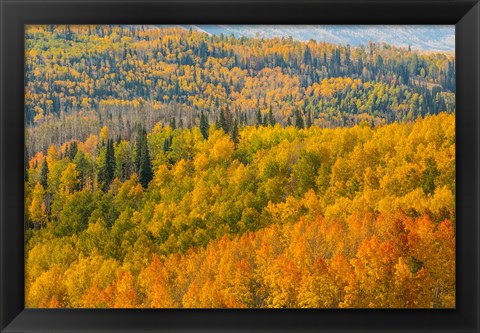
240, 166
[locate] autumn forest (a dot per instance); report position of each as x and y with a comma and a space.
167, 167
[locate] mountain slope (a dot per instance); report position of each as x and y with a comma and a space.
427, 38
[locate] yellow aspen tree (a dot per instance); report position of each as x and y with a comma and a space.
37, 209
154, 280
125, 291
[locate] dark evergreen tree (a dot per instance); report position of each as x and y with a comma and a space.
111, 161
347, 55
204, 126
307, 56
167, 143
173, 123
144, 164
67, 151
259, 118
309, 121
299, 120
228, 119
223, 122
107, 170
265, 120
271, 117
235, 134
72, 151
82, 168
44, 174
245, 119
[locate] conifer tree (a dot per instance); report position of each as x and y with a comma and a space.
107, 171
299, 120
271, 118
259, 118
167, 143
173, 123
309, 121
67, 151
44, 175
228, 119
204, 125
110, 161
72, 151
235, 134
82, 168
223, 122
143, 162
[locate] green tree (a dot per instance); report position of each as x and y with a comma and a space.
44, 175
271, 117
306, 172
204, 126
72, 150
429, 175
235, 134
309, 121
83, 168
173, 123
259, 118
223, 122
299, 120
107, 167
143, 161
167, 145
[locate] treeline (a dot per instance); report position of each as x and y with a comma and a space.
266, 217
171, 74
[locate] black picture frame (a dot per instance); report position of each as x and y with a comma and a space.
465, 14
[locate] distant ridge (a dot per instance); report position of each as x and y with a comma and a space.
418, 37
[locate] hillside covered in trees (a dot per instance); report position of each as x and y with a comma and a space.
170, 168
79, 78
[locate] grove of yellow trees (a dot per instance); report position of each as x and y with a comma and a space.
170, 168
265, 216
82, 77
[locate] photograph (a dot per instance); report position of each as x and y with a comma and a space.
240, 166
